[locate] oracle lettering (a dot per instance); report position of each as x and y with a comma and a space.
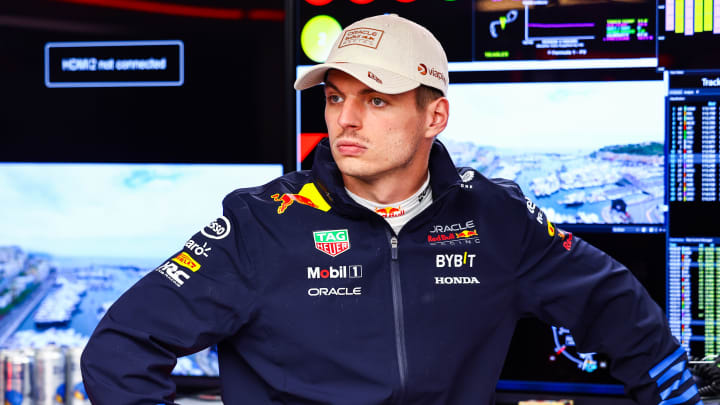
453, 228
314, 292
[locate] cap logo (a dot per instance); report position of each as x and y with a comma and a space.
368, 37
372, 76
438, 75
423, 70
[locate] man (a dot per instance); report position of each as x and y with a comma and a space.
385, 274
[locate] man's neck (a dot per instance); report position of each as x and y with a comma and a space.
386, 189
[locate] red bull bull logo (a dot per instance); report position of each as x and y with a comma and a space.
308, 195
466, 233
390, 212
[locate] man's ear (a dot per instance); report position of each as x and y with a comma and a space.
438, 112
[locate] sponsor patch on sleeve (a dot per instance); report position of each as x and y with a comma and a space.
173, 273
186, 261
552, 230
218, 229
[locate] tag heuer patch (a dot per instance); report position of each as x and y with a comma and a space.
332, 242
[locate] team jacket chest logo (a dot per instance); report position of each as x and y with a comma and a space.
332, 242
464, 262
454, 234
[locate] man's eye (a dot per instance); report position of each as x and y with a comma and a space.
334, 98
378, 102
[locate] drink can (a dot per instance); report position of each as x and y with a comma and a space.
49, 376
75, 393
3, 360
18, 377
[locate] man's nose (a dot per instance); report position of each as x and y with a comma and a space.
350, 114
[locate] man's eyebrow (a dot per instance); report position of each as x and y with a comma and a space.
364, 91
328, 83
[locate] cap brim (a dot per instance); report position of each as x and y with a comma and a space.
384, 81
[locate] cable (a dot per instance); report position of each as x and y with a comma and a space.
707, 376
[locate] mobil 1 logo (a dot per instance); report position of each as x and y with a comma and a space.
330, 272
349, 272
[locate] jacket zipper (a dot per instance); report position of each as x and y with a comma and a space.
398, 314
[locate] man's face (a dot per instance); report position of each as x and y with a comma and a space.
374, 134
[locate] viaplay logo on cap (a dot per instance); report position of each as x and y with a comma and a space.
423, 70
368, 37
332, 242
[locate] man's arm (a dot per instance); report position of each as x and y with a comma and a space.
191, 301
567, 282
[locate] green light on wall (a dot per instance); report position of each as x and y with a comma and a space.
317, 37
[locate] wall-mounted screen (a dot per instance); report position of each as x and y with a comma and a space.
589, 152
75, 236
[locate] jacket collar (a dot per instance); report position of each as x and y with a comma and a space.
443, 176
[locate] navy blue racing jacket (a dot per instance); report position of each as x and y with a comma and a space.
313, 299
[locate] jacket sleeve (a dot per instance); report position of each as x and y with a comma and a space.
565, 281
191, 301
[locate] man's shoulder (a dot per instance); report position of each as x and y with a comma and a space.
489, 187
288, 183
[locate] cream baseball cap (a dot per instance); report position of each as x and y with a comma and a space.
388, 53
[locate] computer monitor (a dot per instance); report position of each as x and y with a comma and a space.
586, 146
693, 239
686, 30
75, 236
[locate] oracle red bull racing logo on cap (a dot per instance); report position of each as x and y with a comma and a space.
308, 195
332, 242
368, 37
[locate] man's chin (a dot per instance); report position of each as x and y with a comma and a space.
353, 168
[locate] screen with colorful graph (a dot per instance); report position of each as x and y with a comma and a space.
564, 29
688, 34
